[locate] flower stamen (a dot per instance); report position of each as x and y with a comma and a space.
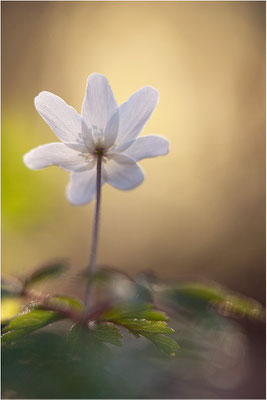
100, 152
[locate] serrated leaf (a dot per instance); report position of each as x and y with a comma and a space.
33, 319
108, 333
152, 315
39, 317
143, 325
164, 343
82, 339
138, 318
11, 336
140, 311
104, 332
134, 333
10, 307
74, 334
45, 272
28, 322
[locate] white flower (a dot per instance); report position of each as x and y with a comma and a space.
101, 127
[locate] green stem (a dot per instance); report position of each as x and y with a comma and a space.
92, 261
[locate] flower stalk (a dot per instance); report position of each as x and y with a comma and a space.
94, 242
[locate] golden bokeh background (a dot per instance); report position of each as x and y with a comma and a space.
201, 210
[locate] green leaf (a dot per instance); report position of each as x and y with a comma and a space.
164, 343
138, 318
143, 325
152, 315
74, 335
32, 320
83, 340
47, 271
65, 303
104, 332
140, 311
41, 316
197, 296
194, 293
134, 333
241, 306
28, 322
108, 333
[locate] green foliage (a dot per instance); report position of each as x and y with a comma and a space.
143, 325
64, 303
139, 310
103, 332
142, 319
107, 332
127, 317
75, 334
15, 291
28, 322
34, 319
235, 305
91, 362
164, 343
200, 291
44, 365
197, 297
138, 317
84, 343
47, 271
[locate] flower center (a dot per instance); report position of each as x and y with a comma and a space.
99, 151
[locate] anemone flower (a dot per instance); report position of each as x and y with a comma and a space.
103, 138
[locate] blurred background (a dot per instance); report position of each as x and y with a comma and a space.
201, 210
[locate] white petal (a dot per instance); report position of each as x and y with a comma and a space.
63, 119
122, 172
135, 112
146, 147
57, 154
111, 131
88, 137
81, 148
82, 187
99, 110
